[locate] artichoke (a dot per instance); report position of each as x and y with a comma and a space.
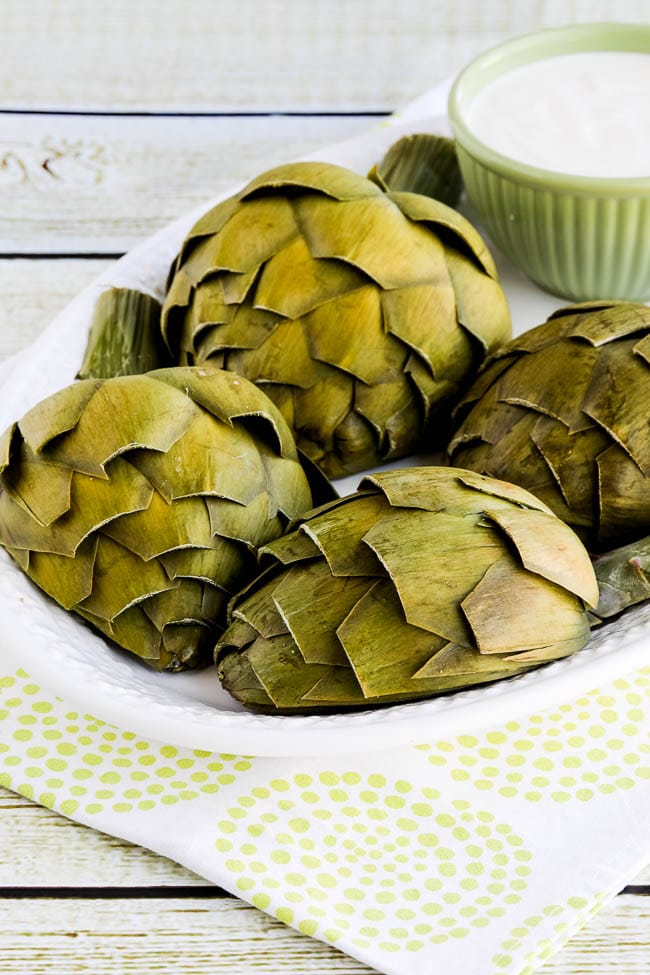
562, 410
360, 312
138, 501
425, 580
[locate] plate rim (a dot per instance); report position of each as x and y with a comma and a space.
191, 723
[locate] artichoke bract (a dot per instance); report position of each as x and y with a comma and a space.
425, 580
138, 502
360, 312
562, 410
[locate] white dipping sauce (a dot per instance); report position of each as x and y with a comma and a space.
586, 114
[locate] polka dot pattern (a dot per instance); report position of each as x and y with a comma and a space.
412, 855
594, 746
371, 860
542, 934
79, 764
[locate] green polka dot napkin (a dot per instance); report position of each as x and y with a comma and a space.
483, 853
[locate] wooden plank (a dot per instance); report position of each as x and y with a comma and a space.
192, 936
39, 848
71, 184
34, 292
278, 54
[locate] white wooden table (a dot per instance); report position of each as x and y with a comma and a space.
114, 119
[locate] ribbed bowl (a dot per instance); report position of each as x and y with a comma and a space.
580, 237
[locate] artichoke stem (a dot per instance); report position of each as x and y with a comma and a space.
623, 579
421, 163
124, 337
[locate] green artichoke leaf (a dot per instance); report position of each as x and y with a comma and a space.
273, 662
602, 323
211, 222
130, 412
569, 457
306, 314
331, 180
436, 606
623, 576
455, 660
356, 232
259, 614
295, 546
623, 496
337, 685
408, 313
120, 578
383, 655
284, 358
58, 414
589, 434
311, 601
41, 487
223, 559
209, 459
68, 578
93, 502
617, 400
249, 523
162, 527
473, 296
341, 541
470, 591
7, 445
422, 209
501, 628
421, 163
239, 247
138, 502
313, 282
349, 334
132, 630
541, 539
565, 402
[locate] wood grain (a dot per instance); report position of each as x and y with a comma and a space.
39, 848
89, 185
269, 54
95, 184
195, 935
32, 293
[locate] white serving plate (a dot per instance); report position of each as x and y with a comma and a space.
191, 709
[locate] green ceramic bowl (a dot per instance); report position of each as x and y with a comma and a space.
581, 237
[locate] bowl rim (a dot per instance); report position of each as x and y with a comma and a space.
525, 49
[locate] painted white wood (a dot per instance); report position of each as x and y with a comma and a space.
257, 54
193, 936
84, 184
33, 292
71, 184
39, 848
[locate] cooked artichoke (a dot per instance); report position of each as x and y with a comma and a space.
562, 410
138, 502
361, 313
425, 580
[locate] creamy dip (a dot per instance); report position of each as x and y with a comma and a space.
585, 114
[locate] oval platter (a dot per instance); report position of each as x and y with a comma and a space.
191, 709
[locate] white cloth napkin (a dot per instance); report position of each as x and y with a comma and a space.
482, 853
